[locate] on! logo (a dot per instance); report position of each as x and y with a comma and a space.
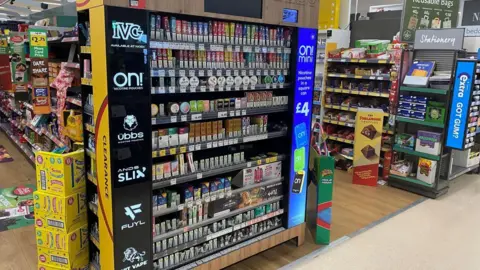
134, 257
131, 173
128, 81
130, 123
306, 54
128, 32
131, 212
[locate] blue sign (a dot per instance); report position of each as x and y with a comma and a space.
305, 78
459, 110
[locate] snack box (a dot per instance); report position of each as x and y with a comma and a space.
412, 106
411, 114
405, 140
426, 170
417, 99
72, 243
60, 174
428, 142
59, 213
50, 259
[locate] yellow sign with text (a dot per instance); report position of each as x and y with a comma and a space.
368, 140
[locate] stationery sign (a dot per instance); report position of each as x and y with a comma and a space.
427, 14
38, 43
459, 110
441, 39
366, 150
305, 77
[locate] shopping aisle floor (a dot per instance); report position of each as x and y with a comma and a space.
440, 234
17, 246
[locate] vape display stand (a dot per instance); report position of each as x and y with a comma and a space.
212, 97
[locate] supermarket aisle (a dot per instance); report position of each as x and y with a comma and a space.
436, 234
17, 246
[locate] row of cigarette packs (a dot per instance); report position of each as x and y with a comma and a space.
169, 28
221, 82
166, 58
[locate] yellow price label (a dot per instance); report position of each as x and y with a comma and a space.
3, 42
173, 151
273, 159
163, 152
259, 162
183, 149
38, 39
155, 154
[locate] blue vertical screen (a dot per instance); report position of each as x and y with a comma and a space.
304, 82
459, 108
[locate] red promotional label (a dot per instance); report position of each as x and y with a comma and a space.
366, 175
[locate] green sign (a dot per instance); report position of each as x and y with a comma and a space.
3, 44
16, 207
38, 43
18, 65
427, 14
324, 168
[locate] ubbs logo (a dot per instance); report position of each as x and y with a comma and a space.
306, 54
130, 123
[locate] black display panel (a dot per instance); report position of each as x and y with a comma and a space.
244, 8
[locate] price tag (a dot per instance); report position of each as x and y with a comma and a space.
226, 142
173, 119
222, 114
207, 199
232, 113
229, 193
171, 89
196, 117
209, 73
219, 72
238, 113
173, 181
201, 73
211, 89
189, 204
274, 85
215, 144
161, 89
183, 149
244, 112
235, 141
229, 88
244, 72
279, 72
183, 118
237, 48
203, 89
198, 202
193, 89
221, 195
285, 72
199, 175
216, 48
258, 72
220, 89
251, 72
162, 153
182, 73
264, 49
249, 164
191, 148
271, 50
198, 147
235, 72
265, 72
183, 89
279, 50
180, 207
257, 49
201, 47
173, 151
220, 143
38, 38
228, 72
171, 73
272, 72
161, 73
229, 48
230, 141
247, 49
209, 145
213, 198
237, 88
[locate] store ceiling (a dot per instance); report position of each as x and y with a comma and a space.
21, 9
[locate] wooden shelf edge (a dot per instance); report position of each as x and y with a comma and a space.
255, 248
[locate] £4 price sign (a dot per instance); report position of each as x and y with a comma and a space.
302, 108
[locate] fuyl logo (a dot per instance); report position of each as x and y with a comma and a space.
131, 173
130, 123
127, 31
128, 81
306, 54
131, 210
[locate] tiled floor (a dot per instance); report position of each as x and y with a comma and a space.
442, 234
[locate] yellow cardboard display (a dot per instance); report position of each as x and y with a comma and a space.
73, 242
49, 259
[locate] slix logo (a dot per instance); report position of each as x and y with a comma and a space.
130, 211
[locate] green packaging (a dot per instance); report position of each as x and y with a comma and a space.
299, 159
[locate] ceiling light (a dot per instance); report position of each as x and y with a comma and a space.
50, 3
24, 15
35, 10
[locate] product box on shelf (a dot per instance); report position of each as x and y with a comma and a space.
252, 175
401, 168
426, 170
59, 213
435, 112
50, 259
405, 140
74, 242
428, 142
60, 174
466, 158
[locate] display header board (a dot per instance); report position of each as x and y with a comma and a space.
459, 108
440, 39
471, 18
427, 14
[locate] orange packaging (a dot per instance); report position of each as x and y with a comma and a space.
209, 131
203, 130
215, 130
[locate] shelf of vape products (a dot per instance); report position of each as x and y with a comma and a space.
364, 77
218, 115
227, 247
88, 109
356, 92
213, 172
205, 72
92, 178
86, 81
364, 61
90, 128
214, 219
202, 89
349, 124
218, 47
232, 248
93, 207
85, 49
24, 148
207, 236
217, 143
226, 194
75, 101
94, 240
348, 109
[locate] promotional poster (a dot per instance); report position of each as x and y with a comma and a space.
38, 43
41, 91
366, 150
18, 64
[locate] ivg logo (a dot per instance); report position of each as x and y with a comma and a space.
127, 31
306, 54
